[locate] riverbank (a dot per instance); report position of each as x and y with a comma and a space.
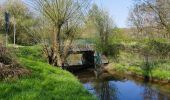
132, 65
149, 60
45, 82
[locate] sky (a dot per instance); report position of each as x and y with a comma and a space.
1, 1
118, 10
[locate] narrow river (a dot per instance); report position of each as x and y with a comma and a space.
108, 87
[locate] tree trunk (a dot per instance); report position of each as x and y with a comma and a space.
54, 47
58, 48
58, 56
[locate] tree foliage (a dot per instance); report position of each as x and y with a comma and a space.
103, 25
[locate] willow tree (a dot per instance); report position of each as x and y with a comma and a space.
60, 22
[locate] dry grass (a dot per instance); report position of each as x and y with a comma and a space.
9, 71
9, 67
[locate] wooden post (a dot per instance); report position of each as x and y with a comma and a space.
7, 25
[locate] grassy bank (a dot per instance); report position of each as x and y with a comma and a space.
134, 63
45, 82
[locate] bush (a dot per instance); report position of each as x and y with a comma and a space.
114, 50
111, 49
9, 67
162, 49
5, 56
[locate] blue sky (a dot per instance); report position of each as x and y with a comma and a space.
118, 10
2, 1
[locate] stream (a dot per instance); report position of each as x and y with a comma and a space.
108, 87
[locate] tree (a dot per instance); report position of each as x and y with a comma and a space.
103, 25
19, 14
61, 20
1, 19
151, 16
160, 9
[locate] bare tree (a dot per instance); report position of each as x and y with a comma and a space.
136, 19
60, 21
151, 16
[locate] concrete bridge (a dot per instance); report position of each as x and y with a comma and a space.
87, 59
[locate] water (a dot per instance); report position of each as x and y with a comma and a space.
111, 88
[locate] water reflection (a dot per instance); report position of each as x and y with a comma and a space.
105, 91
153, 94
113, 89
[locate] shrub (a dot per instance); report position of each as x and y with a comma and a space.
9, 67
160, 48
114, 50
5, 56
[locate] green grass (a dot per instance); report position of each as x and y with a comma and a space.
45, 83
133, 63
31, 52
